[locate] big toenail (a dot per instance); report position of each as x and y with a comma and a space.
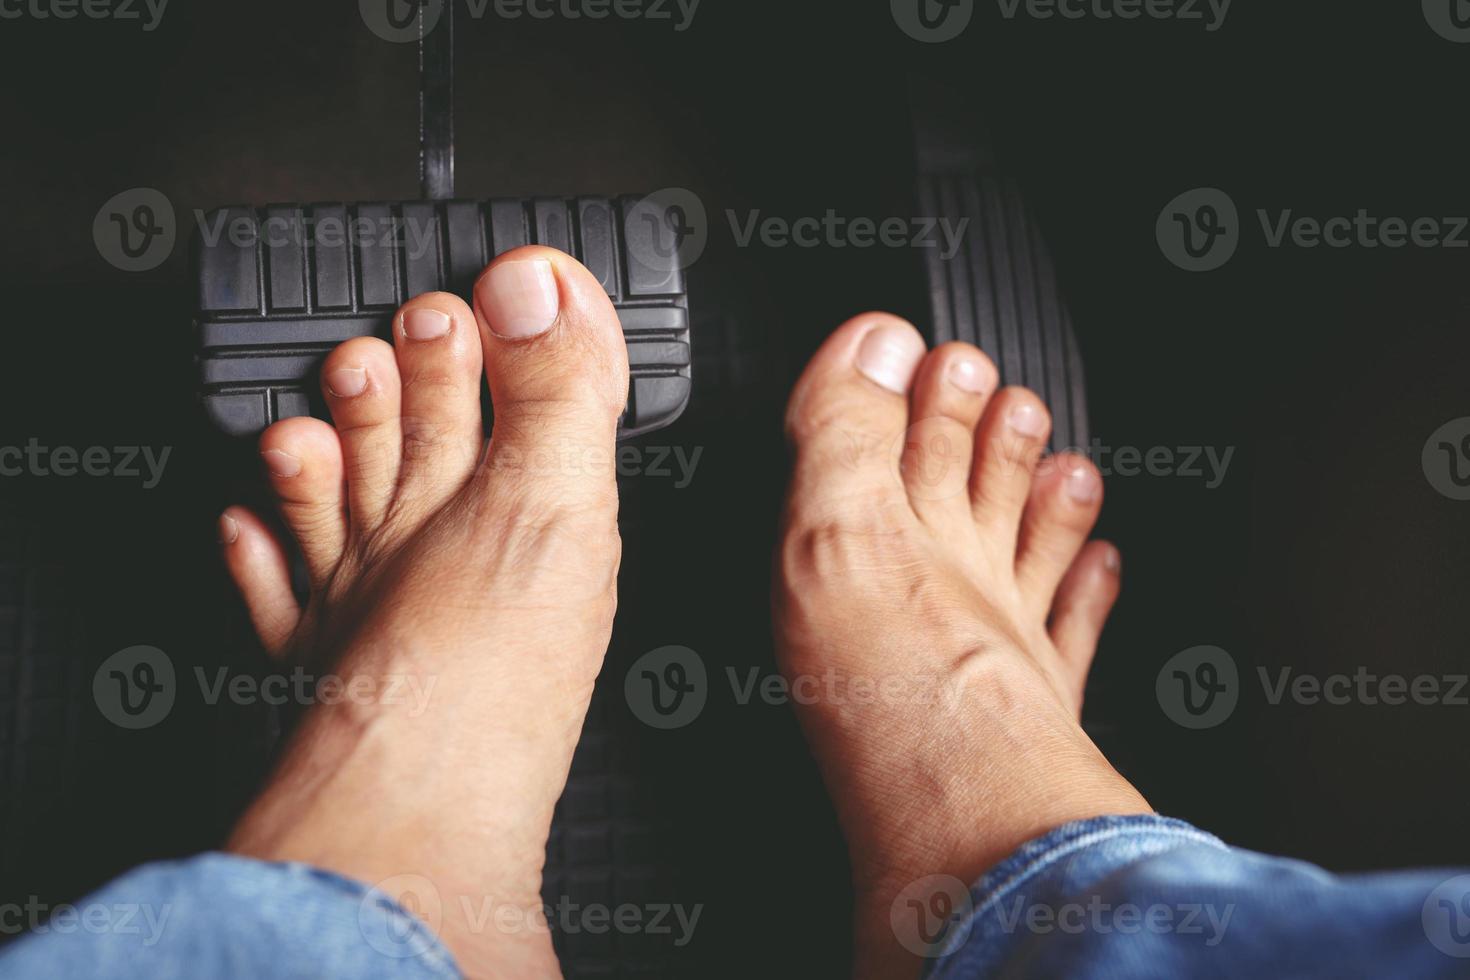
889, 355
229, 529
1113, 561
281, 464
1026, 419
966, 375
1083, 486
520, 299
347, 382
425, 324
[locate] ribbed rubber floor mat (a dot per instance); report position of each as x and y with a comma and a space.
999, 291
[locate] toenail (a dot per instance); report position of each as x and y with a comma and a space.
424, 323
229, 530
347, 382
520, 299
1083, 485
281, 464
967, 375
1113, 561
1026, 419
888, 355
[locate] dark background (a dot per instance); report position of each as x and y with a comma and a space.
1326, 369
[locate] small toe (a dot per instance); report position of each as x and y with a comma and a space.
361, 383
437, 343
950, 390
1066, 496
1009, 442
1083, 601
257, 562
303, 460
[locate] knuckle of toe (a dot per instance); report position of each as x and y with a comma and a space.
842, 533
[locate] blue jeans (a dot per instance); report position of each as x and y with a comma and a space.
1129, 897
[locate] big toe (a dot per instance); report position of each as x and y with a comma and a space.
557, 368
849, 411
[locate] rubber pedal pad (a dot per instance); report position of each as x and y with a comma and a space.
999, 291
281, 286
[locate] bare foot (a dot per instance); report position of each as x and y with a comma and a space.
486, 578
940, 584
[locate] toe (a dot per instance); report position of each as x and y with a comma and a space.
303, 459
849, 411
1066, 496
437, 343
1085, 598
557, 367
1008, 445
950, 390
363, 391
258, 564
